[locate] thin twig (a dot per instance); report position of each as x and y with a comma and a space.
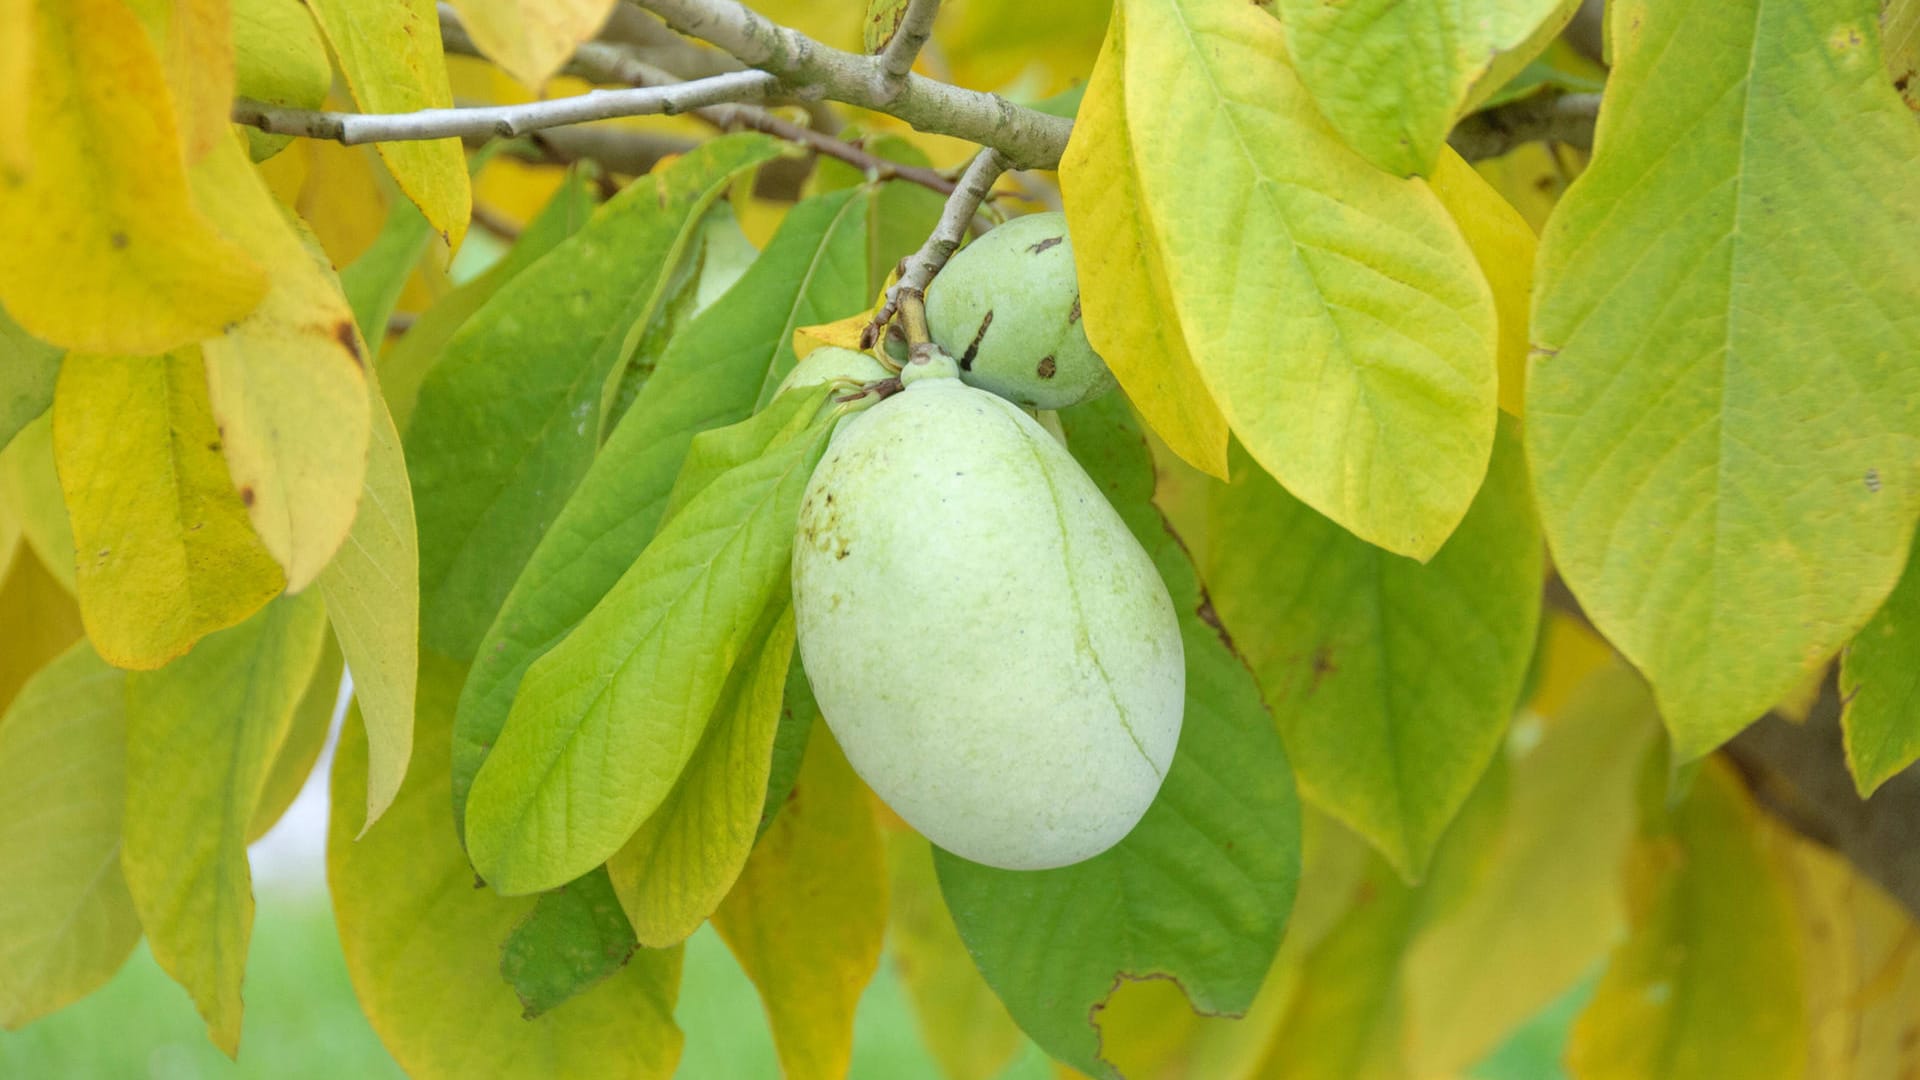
504, 120
1030, 139
1562, 118
495, 222
918, 270
903, 48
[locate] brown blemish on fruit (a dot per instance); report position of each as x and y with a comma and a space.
1073, 313
1051, 241
973, 347
1045, 368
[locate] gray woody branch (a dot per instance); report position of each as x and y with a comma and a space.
903, 48
920, 267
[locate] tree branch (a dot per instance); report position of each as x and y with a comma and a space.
1029, 139
903, 48
505, 120
918, 270
1561, 118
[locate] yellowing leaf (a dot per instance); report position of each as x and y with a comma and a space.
683, 860
1880, 686
1723, 353
195, 42
531, 38
16, 76
1900, 44
306, 735
1333, 310
1392, 76
280, 58
844, 334
807, 917
106, 251
28, 368
1130, 317
1038, 49
423, 945
1503, 245
66, 921
202, 735
288, 383
38, 620
1708, 986
30, 490
389, 51
169, 556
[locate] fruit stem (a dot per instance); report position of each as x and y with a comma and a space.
913, 317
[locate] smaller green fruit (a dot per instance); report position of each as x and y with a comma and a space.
1008, 306
830, 362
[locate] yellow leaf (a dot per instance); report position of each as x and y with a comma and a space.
682, 861
1502, 244
1570, 653
844, 334
306, 736
343, 198
37, 621
105, 249
807, 917
16, 76
202, 735
531, 38
1532, 177
169, 554
195, 42
1130, 317
66, 921
389, 51
1900, 45
1037, 49
288, 383
280, 58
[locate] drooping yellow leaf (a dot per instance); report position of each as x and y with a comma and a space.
16, 75
195, 41
531, 38
66, 921
106, 251
1333, 310
373, 597
809, 913
1708, 985
38, 620
389, 51
1502, 244
1036, 49
288, 383
1130, 317
343, 197
423, 945
30, 490
1532, 177
202, 735
168, 554
844, 334
683, 860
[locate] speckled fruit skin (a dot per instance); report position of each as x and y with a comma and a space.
989, 644
1008, 307
830, 362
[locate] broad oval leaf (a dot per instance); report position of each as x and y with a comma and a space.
575, 936
280, 58
1880, 684
1199, 891
307, 735
42, 620
530, 39
28, 368
808, 916
1724, 353
1503, 244
30, 488
1392, 680
1334, 311
389, 52
509, 419
66, 921
202, 736
633, 686
170, 555
423, 945
106, 251
1392, 76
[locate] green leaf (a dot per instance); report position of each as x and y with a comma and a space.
406, 363
422, 944
280, 58
30, 486
798, 714
1900, 25
1392, 680
373, 282
202, 736
1708, 985
1880, 683
1334, 311
1724, 347
390, 54
306, 737
676, 869
1199, 891
66, 921
716, 372
544, 809
28, 368
574, 937
1392, 76
508, 420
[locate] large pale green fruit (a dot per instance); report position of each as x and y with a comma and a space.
989, 644
1007, 306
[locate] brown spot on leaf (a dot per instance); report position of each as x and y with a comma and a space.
118, 240
246, 494
1045, 368
1049, 242
1873, 481
1323, 666
1205, 609
343, 333
973, 347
